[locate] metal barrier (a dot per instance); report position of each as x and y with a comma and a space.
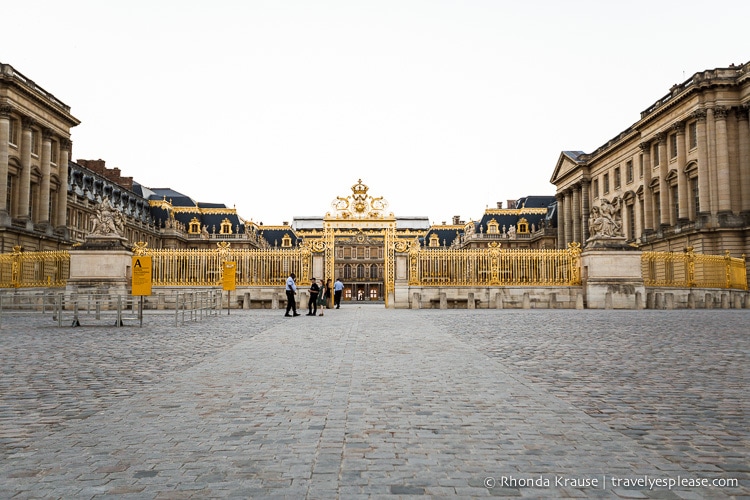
91, 309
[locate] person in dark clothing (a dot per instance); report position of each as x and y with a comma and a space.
312, 303
291, 291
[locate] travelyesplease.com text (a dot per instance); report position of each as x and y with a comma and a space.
605, 481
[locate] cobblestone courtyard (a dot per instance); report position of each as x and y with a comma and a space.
366, 402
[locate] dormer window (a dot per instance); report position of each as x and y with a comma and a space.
434, 240
523, 225
286, 241
195, 226
493, 227
226, 227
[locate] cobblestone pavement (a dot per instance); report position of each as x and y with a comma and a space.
367, 403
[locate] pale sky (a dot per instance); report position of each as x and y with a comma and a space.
443, 107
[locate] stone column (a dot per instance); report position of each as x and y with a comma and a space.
722, 161
560, 220
62, 195
44, 186
24, 190
704, 186
4, 155
648, 208
711, 155
682, 181
568, 218
744, 139
586, 208
661, 139
576, 212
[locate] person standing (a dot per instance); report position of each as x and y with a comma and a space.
338, 289
325, 293
312, 303
291, 291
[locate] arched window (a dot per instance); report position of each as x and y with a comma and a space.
226, 227
347, 271
434, 240
286, 241
360, 271
373, 271
493, 227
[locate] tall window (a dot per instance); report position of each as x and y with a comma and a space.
360, 271
595, 188
673, 146
617, 178
605, 182
10, 191
640, 167
675, 203
629, 171
631, 221
34, 142
656, 154
696, 198
13, 139
693, 135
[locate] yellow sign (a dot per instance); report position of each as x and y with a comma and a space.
142, 275
230, 269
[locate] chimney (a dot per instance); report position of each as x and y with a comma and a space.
499, 204
456, 219
511, 203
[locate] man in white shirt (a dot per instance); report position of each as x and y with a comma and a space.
338, 288
291, 291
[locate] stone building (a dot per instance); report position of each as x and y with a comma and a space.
679, 176
34, 152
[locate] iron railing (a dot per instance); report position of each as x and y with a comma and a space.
690, 270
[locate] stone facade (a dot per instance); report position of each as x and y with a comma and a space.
680, 175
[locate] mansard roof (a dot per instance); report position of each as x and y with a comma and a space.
446, 234
275, 234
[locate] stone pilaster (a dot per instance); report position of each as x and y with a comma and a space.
648, 207
743, 116
5, 111
723, 179
24, 190
44, 186
576, 212
586, 208
682, 181
661, 139
704, 185
62, 195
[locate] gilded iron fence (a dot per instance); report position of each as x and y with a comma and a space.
254, 267
34, 269
689, 270
495, 267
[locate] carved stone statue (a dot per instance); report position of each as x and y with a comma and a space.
606, 220
107, 221
512, 232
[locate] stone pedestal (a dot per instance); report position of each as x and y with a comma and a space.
101, 266
612, 277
